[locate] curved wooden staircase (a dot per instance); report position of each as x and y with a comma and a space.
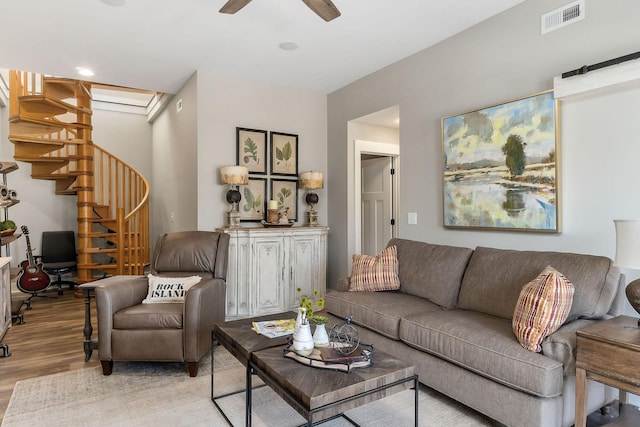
50, 127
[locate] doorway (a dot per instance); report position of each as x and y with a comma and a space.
374, 136
377, 195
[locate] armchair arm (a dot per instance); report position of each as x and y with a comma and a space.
204, 305
113, 294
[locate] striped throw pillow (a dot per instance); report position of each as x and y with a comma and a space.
375, 273
543, 306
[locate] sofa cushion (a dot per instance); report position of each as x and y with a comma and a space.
378, 311
375, 273
431, 271
485, 345
494, 278
149, 316
542, 307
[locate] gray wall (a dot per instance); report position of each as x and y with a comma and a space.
174, 181
498, 60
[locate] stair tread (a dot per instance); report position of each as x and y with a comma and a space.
45, 106
48, 123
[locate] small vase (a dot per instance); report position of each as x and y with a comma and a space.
301, 313
302, 340
320, 336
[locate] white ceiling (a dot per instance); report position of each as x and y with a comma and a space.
158, 44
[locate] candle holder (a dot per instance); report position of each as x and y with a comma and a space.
272, 216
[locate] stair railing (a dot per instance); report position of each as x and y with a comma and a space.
126, 192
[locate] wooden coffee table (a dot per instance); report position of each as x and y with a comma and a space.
329, 394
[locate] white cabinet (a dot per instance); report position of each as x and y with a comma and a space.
267, 265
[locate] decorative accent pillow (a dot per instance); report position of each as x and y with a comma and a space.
543, 306
169, 289
375, 273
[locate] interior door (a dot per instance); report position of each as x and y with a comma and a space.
377, 203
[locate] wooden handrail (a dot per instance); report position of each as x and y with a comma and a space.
118, 189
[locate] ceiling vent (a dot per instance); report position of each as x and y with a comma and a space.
568, 14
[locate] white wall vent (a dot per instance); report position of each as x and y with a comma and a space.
568, 14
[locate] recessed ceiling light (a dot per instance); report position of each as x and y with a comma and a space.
116, 3
84, 71
288, 45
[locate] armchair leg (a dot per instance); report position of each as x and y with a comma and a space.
193, 368
107, 367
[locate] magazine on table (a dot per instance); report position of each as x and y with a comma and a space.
275, 328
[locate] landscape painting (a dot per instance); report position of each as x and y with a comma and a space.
500, 167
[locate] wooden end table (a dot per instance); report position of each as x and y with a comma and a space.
607, 352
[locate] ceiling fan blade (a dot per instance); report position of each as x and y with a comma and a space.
232, 6
325, 9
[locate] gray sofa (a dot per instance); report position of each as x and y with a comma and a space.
452, 319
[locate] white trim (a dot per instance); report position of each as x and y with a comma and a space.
354, 194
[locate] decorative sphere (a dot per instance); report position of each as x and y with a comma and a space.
344, 338
233, 196
312, 198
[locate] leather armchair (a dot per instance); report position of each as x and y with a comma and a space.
179, 332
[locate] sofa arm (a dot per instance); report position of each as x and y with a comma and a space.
204, 305
113, 294
561, 345
343, 284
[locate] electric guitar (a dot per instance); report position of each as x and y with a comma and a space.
31, 279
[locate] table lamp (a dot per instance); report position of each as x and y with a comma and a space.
628, 255
234, 176
311, 181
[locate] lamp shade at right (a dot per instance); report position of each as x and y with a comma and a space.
627, 243
311, 180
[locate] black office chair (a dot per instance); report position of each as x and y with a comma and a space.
59, 256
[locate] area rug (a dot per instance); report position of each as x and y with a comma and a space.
163, 394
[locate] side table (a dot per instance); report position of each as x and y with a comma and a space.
89, 344
607, 352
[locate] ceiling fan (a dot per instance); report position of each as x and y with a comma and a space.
325, 9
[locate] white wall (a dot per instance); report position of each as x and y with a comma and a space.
498, 60
225, 103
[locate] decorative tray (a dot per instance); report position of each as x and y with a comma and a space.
327, 358
277, 224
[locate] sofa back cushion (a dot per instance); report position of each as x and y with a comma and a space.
433, 272
494, 278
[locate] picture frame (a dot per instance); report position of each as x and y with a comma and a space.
500, 167
251, 149
252, 206
285, 192
284, 153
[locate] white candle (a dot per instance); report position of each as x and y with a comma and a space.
273, 204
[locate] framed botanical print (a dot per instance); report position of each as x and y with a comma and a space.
252, 150
285, 192
284, 154
252, 205
500, 166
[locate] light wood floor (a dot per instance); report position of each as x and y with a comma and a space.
49, 341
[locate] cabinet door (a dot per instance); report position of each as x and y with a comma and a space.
304, 268
268, 264
238, 304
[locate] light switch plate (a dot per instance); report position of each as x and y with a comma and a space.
412, 218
